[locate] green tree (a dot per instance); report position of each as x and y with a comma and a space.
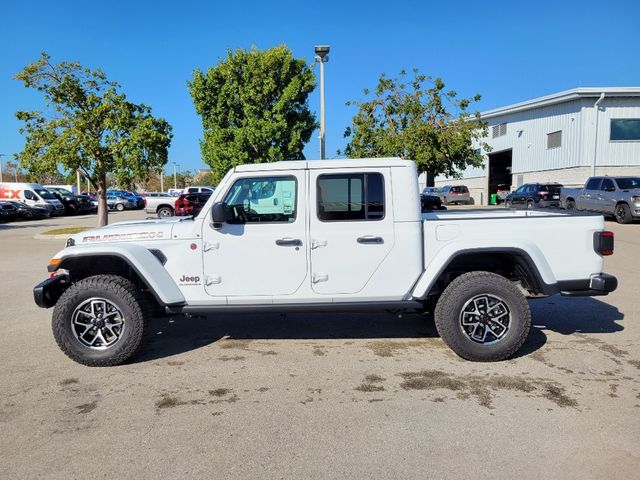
254, 108
89, 125
414, 117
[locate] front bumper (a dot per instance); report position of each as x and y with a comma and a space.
596, 285
47, 292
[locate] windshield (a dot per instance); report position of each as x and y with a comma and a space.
46, 194
64, 191
628, 183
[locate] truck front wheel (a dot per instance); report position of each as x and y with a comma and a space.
99, 321
483, 317
623, 213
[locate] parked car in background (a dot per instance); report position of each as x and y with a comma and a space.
430, 191
8, 212
616, 196
160, 203
119, 201
454, 194
137, 200
502, 190
32, 194
190, 203
26, 212
198, 189
73, 204
531, 195
430, 202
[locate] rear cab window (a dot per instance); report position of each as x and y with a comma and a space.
593, 184
350, 197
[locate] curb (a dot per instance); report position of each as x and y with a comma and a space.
40, 236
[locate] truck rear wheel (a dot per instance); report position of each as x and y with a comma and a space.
165, 212
99, 321
483, 317
623, 213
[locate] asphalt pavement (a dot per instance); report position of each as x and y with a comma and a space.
321, 396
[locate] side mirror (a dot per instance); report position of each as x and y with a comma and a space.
218, 214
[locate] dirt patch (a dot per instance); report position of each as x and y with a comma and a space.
389, 348
318, 351
235, 344
374, 378
219, 392
263, 389
69, 381
267, 352
367, 387
235, 358
635, 363
167, 401
87, 407
556, 395
483, 388
175, 363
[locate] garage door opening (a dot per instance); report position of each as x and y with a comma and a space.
500, 180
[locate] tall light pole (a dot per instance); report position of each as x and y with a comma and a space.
1, 155
322, 56
162, 180
175, 176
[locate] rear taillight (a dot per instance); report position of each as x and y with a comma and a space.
603, 242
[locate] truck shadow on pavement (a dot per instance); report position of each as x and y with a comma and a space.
173, 335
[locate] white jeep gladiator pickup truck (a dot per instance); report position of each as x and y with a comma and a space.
323, 235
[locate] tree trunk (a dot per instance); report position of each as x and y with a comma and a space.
430, 179
103, 214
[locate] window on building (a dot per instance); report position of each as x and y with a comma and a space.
625, 129
348, 197
554, 139
499, 130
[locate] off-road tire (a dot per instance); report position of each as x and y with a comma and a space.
165, 212
117, 290
623, 214
458, 293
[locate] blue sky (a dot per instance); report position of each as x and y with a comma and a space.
505, 50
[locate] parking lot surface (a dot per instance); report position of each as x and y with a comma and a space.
321, 396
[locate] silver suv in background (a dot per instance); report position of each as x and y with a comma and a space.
616, 196
454, 194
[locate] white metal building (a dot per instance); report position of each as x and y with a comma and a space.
565, 137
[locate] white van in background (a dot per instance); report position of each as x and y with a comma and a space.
31, 194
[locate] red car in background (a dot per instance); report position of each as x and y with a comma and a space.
190, 203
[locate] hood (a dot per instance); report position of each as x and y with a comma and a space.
137, 230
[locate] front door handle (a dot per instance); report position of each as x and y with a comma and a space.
370, 239
289, 242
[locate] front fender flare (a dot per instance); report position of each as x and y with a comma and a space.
139, 258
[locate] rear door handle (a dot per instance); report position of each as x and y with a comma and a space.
289, 242
370, 239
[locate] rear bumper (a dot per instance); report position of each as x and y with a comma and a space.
47, 292
599, 284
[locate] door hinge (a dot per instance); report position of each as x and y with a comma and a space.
212, 280
320, 277
211, 246
318, 243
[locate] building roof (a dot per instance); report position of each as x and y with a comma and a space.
561, 97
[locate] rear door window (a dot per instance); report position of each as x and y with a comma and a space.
350, 197
607, 185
